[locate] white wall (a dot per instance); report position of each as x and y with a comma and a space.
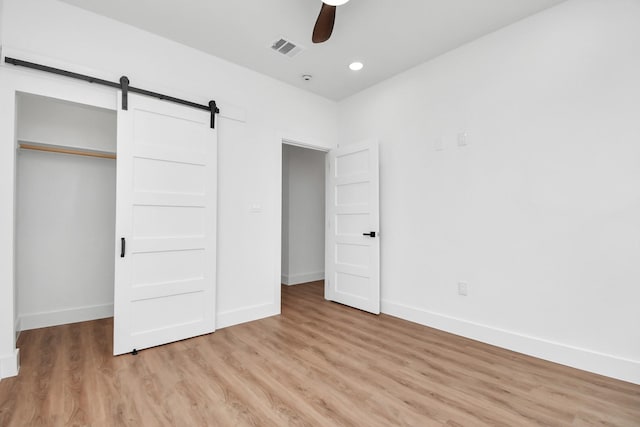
249, 151
303, 215
540, 213
1, 20
64, 239
65, 221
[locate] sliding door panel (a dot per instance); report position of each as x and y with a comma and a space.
165, 224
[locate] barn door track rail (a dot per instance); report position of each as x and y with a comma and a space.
122, 85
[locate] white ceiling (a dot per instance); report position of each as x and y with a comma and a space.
388, 36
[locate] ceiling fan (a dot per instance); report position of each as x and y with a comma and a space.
324, 24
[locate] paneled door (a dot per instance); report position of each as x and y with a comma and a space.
353, 244
165, 224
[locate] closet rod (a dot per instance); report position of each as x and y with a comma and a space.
123, 85
68, 151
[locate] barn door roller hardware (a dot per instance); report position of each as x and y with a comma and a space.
123, 85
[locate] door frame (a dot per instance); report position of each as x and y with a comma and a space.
302, 142
13, 82
309, 143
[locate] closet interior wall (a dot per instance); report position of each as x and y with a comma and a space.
65, 217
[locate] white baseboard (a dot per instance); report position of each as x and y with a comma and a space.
575, 357
296, 279
246, 314
62, 317
10, 365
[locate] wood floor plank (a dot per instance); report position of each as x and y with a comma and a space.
317, 379
317, 364
441, 375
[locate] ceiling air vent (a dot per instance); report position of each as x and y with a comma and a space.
286, 47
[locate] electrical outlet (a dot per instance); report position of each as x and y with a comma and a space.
463, 289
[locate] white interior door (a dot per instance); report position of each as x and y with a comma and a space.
353, 245
166, 213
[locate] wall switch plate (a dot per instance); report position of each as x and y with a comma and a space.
463, 139
255, 208
463, 289
438, 144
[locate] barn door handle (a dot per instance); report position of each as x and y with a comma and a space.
372, 234
122, 245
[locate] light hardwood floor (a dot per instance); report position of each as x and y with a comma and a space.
319, 364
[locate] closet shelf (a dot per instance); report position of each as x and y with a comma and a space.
76, 151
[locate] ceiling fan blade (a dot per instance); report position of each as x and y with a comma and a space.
324, 24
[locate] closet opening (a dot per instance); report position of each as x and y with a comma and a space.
65, 212
303, 215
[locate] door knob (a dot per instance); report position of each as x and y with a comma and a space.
371, 234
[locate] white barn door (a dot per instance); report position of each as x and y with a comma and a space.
165, 224
353, 245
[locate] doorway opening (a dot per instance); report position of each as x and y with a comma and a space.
65, 212
303, 215
350, 222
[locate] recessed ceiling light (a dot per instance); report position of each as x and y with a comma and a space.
356, 66
335, 2
307, 77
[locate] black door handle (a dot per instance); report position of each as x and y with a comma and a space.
372, 234
122, 244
